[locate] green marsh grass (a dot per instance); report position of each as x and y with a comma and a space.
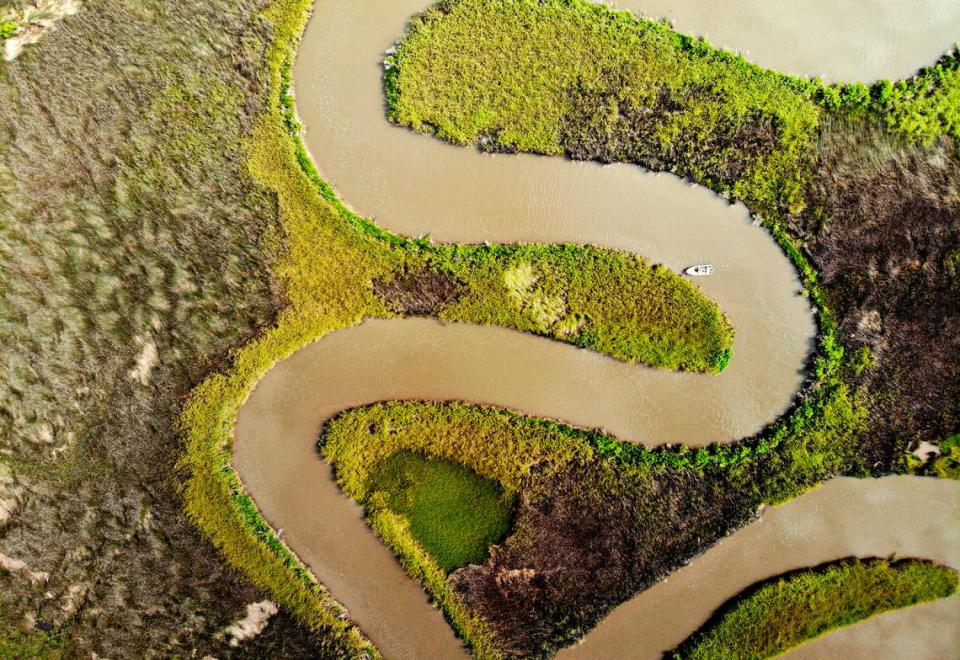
454, 513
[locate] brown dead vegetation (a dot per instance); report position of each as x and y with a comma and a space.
420, 293
127, 220
608, 125
585, 540
884, 231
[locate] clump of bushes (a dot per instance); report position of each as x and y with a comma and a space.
922, 107
7, 29
945, 464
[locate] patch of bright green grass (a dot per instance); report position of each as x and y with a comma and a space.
7, 29
801, 606
454, 513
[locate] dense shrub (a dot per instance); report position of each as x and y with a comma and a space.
7, 29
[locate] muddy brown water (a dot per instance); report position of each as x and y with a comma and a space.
838, 40
414, 184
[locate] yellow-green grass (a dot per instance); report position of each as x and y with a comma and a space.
519, 73
497, 444
506, 68
325, 268
7, 29
794, 608
35, 644
945, 464
454, 513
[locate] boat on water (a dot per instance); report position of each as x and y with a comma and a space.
699, 270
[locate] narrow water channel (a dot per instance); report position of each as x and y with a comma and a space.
415, 185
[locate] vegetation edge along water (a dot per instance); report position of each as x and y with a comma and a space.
523, 454
213, 489
423, 93
788, 610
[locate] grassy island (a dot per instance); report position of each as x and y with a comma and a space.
578, 78
788, 610
606, 300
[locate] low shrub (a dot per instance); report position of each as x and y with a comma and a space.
7, 29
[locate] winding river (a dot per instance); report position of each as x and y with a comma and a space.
414, 184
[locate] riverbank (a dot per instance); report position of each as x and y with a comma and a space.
791, 609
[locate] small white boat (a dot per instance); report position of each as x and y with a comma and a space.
699, 270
